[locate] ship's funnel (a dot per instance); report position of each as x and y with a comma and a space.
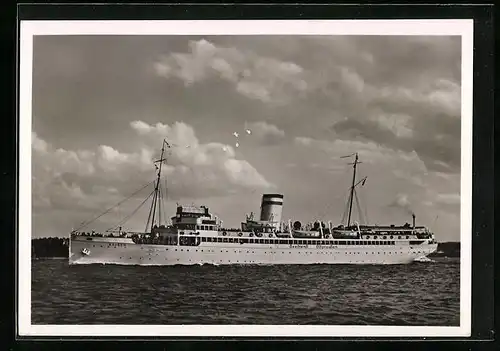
413, 215
271, 208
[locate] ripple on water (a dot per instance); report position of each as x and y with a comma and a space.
415, 294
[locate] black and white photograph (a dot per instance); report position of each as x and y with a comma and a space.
307, 178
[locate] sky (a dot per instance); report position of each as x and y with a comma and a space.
103, 104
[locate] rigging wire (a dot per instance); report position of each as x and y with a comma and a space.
360, 213
84, 224
125, 219
150, 212
329, 205
159, 203
365, 205
165, 199
346, 209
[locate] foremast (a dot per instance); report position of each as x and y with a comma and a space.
155, 209
352, 190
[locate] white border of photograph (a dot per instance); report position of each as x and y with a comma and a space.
28, 29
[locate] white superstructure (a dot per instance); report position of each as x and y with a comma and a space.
195, 236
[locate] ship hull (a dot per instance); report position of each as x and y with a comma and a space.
125, 252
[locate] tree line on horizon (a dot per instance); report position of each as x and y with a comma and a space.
58, 247
49, 247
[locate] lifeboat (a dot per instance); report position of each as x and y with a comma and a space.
305, 234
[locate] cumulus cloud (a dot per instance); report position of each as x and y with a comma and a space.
407, 96
394, 99
402, 202
448, 199
256, 77
86, 179
369, 151
265, 132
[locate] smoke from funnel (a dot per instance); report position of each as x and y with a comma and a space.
401, 201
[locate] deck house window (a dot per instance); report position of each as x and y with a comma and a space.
219, 240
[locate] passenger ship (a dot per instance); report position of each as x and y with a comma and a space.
195, 236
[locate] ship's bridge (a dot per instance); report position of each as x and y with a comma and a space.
194, 218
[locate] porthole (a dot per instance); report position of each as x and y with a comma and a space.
368, 237
391, 237
385, 237
407, 237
